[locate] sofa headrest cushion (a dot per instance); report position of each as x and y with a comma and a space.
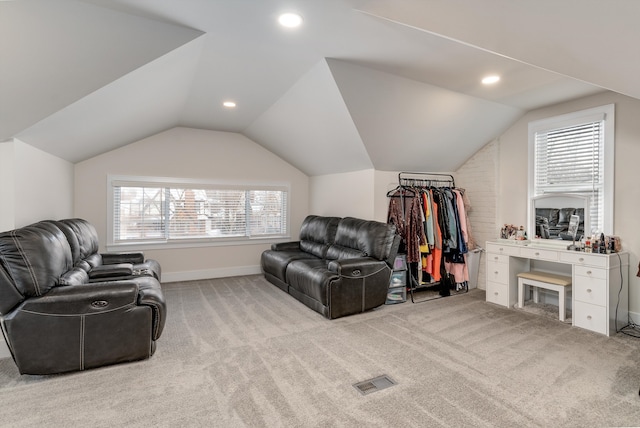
87, 236
32, 259
319, 229
71, 238
317, 233
372, 238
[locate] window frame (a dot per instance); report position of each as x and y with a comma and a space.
114, 181
606, 113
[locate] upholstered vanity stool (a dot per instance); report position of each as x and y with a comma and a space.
548, 281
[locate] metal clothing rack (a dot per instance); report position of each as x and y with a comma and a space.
422, 179
406, 181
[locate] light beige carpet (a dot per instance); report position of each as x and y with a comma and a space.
238, 352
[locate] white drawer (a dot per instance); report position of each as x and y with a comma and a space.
497, 293
495, 248
539, 254
591, 317
498, 258
590, 290
497, 272
578, 258
591, 272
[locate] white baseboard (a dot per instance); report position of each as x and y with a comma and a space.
635, 316
210, 273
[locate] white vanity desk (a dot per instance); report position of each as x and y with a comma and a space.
599, 281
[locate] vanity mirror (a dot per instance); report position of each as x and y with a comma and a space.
550, 217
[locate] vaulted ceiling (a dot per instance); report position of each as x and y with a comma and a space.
384, 84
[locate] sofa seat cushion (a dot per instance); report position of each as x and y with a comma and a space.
311, 277
275, 262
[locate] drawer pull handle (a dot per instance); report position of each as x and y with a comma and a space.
537, 254
501, 249
588, 272
589, 317
581, 259
588, 290
496, 293
496, 258
496, 272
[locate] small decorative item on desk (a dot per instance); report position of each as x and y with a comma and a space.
510, 231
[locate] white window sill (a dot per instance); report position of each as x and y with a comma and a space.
192, 243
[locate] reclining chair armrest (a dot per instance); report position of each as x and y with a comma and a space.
105, 272
395, 246
104, 296
150, 294
116, 258
357, 267
84, 299
284, 246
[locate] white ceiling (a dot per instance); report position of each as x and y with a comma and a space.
384, 84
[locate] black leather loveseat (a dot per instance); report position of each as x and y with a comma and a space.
340, 266
54, 320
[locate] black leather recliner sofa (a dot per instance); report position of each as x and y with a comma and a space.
340, 266
54, 320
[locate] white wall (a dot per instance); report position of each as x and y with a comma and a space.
384, 182
361, 194
34, 186
348, 194
43, 185
478, 176
7, 189
199, 154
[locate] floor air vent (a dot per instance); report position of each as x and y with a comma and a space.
375, 384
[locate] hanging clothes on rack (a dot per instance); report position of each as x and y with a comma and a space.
404, 213
430, 216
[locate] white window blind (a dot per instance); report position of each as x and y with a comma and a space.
149, 213
570, 159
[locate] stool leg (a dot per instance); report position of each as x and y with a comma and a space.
520, 293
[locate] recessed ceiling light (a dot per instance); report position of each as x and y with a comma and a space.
489, 80
229, 104
290, 20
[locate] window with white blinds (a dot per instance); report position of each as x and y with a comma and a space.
148, 211
574, 154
